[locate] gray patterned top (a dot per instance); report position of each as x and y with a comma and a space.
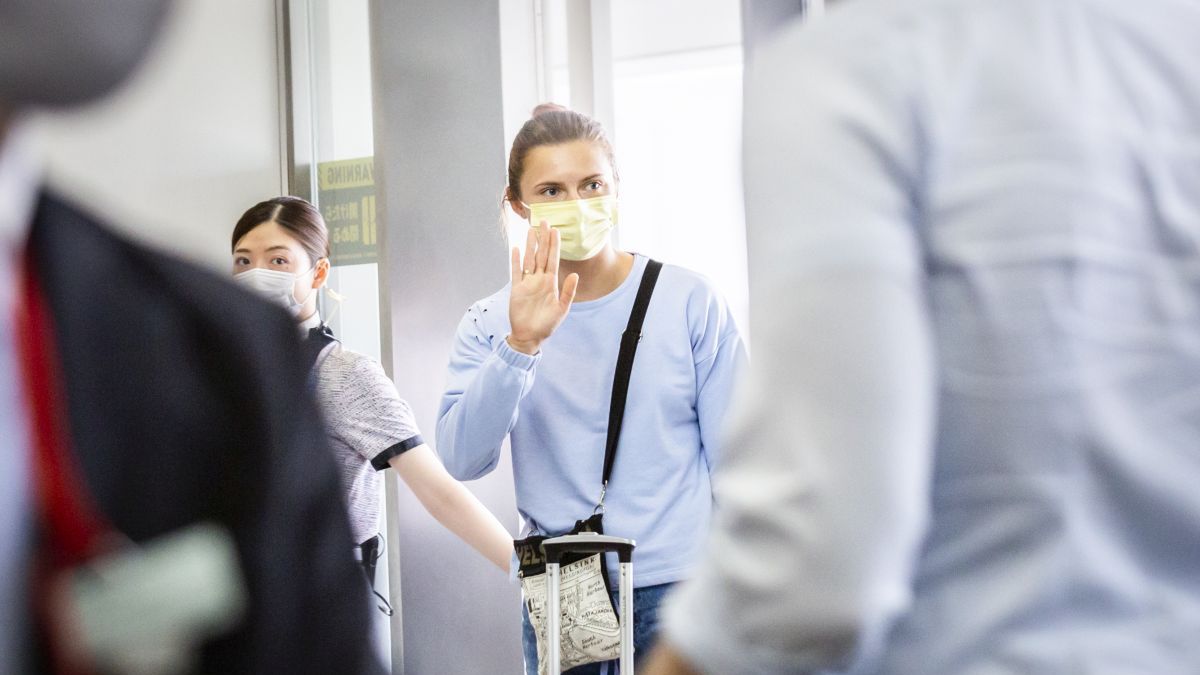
368, 424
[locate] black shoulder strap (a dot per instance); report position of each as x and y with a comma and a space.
629, 343
315, 343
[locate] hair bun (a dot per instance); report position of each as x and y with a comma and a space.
543, 108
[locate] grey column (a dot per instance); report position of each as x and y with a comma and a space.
440, 167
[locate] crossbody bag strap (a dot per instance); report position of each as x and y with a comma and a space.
629, 344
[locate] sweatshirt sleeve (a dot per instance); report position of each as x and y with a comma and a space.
720, 360
486, 381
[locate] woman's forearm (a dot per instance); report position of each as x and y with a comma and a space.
453, 505
463, 514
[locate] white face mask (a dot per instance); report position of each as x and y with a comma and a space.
274, 285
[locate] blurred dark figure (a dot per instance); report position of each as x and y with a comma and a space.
149, 413
971, 443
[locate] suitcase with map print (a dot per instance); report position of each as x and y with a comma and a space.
589, 542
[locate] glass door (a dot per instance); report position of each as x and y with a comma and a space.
326, 99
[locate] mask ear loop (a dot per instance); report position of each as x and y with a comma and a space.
296, 277
329, 294
510, 220
336, 297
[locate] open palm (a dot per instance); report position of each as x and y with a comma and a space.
537, 306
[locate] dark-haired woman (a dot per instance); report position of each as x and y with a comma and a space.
281, 251
535, 362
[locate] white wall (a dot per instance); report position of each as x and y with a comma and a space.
343, 62
193, 139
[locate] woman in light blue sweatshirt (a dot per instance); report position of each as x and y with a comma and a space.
535, 362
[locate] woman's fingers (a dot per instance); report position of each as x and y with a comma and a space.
567, 296
543, 254
516, 265
552, 253
531, 246
542, 245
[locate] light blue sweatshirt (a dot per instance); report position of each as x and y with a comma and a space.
554, 406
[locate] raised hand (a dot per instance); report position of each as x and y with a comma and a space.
537, 306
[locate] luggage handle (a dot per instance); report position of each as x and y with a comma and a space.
588, 542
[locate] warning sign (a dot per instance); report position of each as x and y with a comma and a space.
347, 199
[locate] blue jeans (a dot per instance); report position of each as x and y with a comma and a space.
645, 631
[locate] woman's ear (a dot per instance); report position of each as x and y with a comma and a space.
516, 205
322, 274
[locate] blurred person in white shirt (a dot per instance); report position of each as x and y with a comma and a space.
971, 440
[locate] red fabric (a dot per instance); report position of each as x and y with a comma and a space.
70, 529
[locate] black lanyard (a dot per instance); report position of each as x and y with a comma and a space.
629, 344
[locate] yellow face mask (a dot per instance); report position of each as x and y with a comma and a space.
583, 224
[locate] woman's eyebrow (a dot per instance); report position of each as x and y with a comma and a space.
273, 248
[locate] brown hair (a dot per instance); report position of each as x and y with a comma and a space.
551, 124
301, 219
